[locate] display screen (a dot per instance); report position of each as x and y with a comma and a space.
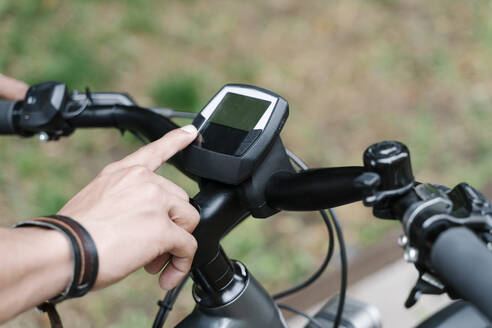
230, 128
240, 112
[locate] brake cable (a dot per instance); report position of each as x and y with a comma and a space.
167, 303
331, 247
343, 259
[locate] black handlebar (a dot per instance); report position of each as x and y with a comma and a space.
150, 124
464, 263
6, 115
133, 118
319, 188
61, 123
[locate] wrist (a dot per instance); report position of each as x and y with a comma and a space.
51, 251
38, 266
53, 269
83, 250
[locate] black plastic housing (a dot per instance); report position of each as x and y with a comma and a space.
230, 169
253, 191
6, 116
43, 103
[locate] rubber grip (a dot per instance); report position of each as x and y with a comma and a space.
6, 110
464, 264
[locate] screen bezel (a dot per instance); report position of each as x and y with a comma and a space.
210, 108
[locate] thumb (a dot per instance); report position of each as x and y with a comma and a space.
11, 88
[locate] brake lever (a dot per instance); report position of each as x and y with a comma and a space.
426, 284
440, 208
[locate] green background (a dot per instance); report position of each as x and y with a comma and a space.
354, 72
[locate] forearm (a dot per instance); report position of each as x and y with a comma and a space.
36, 266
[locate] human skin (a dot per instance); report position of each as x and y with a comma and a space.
12, 89
135, 217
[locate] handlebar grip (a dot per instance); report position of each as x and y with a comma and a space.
6, 113
464, 263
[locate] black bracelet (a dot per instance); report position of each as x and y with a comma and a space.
85, 260
76, 254
90, 260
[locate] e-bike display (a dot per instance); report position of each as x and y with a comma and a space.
236, 129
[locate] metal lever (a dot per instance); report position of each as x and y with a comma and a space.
426, 284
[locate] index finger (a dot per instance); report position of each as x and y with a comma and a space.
156, 153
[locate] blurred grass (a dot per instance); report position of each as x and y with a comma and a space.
138, 16
354, 72
178, 91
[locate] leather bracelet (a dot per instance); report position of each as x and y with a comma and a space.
85, 259
89, 258
76, 254
84, 252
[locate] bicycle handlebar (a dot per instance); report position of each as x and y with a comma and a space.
319, 188
133, 118
151, 125
123, 117
6, 115
464, 263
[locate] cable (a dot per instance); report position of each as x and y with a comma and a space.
331, 246
302, 314
343, 259
164, 309
138, 136
343, 254
88, 101
322, 267
297, 160
166, 305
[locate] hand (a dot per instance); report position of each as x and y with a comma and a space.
138, 218
12, 89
